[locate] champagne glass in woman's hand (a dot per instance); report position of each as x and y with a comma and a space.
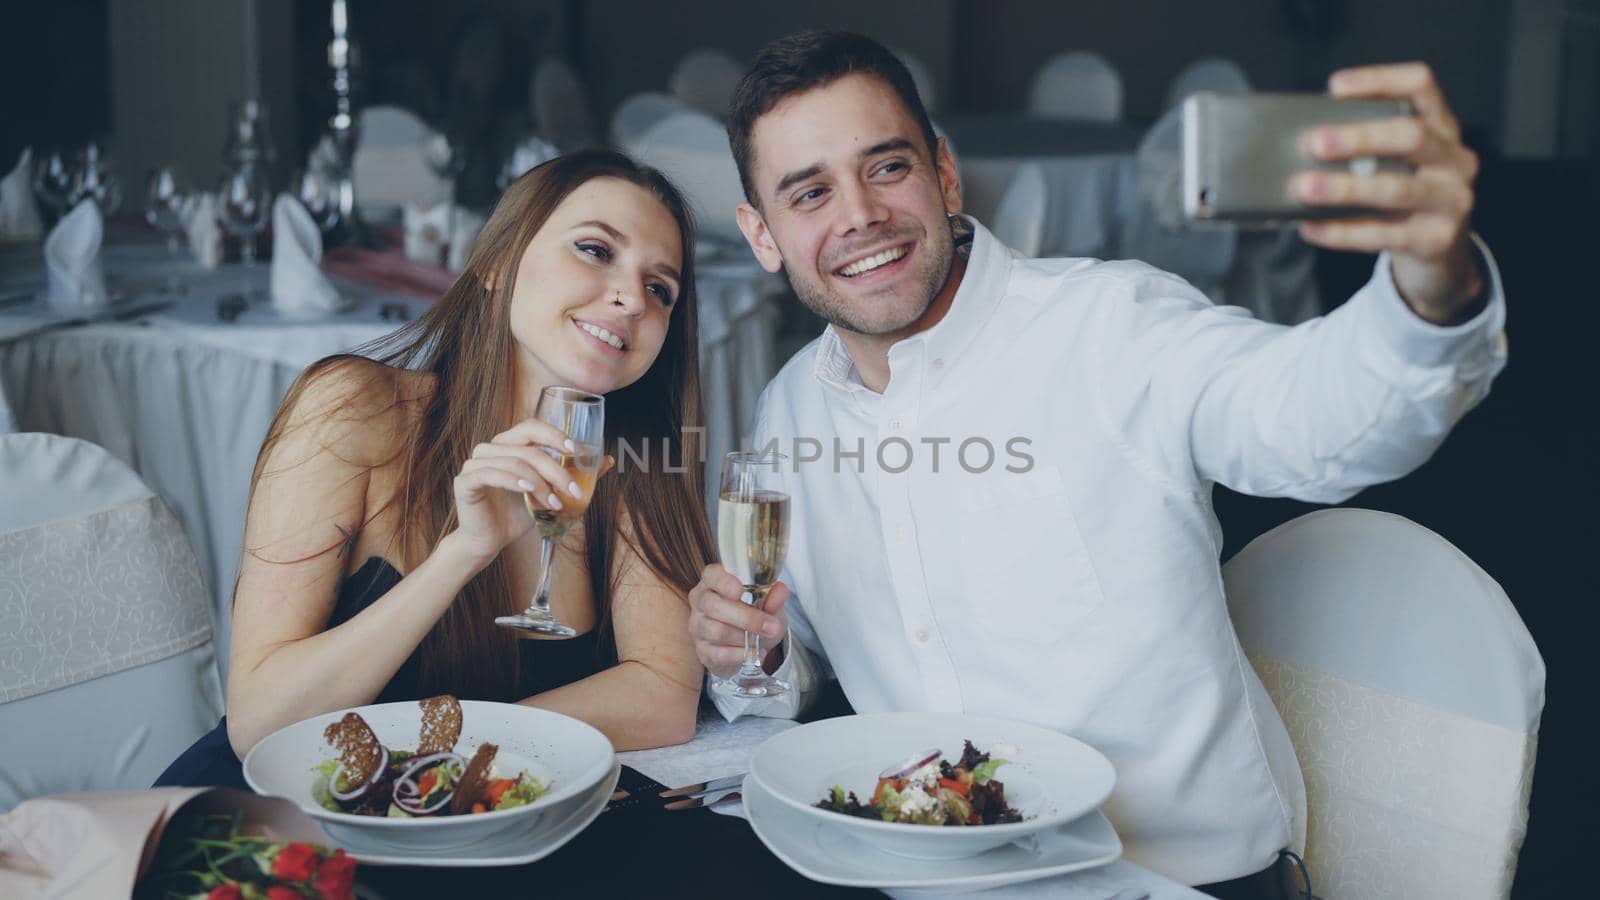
581, 417
753, 539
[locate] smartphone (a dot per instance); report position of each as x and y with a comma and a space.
1239, 152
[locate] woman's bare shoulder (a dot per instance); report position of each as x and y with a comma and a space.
356, 406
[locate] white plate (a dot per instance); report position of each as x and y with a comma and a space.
512, 848
1050, 778
567, 755
831, 855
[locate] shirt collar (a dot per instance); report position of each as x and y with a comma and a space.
982, 285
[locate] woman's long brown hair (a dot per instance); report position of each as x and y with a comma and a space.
464, 340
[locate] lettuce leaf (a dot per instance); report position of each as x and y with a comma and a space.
986, 770
319, 787
525, 791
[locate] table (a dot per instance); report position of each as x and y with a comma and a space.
644, 851
186, 399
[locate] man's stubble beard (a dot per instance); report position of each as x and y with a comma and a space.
835, 311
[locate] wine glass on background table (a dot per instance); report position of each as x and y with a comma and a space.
753, 539
163, 208
52, 183
246, 201
581, 416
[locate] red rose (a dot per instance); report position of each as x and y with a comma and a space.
296, 862
336, 876
279, 892
225, 892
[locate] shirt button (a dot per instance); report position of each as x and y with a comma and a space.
938, 363
921, 634
894, 424
899, 532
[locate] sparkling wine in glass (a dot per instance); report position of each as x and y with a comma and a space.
753, 539
163, 209
581, 416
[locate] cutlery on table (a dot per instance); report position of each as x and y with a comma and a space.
693, 796
716, 784
708, 799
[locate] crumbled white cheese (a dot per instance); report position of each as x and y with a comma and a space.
914, 803
927, 775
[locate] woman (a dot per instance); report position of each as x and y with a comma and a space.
386, 527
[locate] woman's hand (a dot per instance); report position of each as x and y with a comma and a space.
489, 490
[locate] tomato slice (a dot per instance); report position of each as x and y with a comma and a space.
497, 789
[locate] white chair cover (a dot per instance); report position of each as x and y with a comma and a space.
704, 79
390, 167
1274, 276
1412, 693
920, 76
1076, 85
639, 113
561, 105
8, 421
1223, 76
692, 149
107, 670
1063, 207
1019, 219
1152, 228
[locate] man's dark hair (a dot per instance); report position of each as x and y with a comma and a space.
803, 61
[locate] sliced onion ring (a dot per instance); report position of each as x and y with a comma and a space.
359, 790
408, 794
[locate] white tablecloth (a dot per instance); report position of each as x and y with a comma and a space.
186, 399
723, 748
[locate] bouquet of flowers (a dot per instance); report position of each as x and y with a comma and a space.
210, 857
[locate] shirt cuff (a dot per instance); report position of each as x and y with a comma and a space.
1476, 346
799, 670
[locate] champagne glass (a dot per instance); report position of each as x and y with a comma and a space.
163, 209
53, 183
93, 180
753, 539
246, 200
581, 416
312, 188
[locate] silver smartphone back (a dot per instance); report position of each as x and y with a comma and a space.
1239, 152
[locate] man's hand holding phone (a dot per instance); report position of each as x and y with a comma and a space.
1428, 209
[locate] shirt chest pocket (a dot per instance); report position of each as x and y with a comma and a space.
1026, 574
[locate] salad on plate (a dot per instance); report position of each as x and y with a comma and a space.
370, 779
929, 790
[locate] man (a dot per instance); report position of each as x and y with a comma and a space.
1068, 575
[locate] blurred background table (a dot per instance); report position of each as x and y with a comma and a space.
186, 398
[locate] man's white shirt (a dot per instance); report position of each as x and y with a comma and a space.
1068, 575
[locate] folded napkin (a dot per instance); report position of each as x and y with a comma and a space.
463, 237
427, 230
77, 284
299, 289
199, 215
441, 233
19, 215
